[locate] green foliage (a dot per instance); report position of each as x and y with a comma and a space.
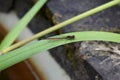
27, 51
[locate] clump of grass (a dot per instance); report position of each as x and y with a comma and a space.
26, 51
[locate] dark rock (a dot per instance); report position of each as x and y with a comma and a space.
107, 20
22, 7
5, 5
106, 63
67, 61
107, 68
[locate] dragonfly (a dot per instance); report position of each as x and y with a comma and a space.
71, 37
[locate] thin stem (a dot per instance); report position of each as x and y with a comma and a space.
67, 22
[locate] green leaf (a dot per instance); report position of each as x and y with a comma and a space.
27, 51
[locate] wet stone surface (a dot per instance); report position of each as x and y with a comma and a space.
103, 56
107, 20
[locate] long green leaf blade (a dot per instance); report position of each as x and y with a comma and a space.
27, 51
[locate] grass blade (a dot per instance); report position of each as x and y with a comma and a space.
27, 51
